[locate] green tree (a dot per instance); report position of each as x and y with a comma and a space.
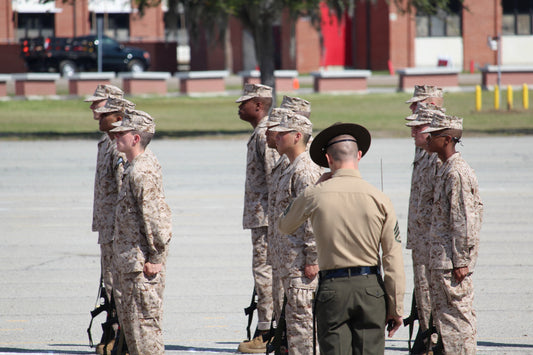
259, 16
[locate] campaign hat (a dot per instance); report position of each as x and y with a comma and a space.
319, 145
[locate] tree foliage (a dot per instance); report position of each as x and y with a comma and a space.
259, 17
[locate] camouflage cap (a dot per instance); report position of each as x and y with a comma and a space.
295, 104
294, 122
115, 105
422, 92
444, 122
254, 90
275, 116
135, 120
424, 114
104, 92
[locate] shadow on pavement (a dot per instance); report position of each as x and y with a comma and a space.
200, 349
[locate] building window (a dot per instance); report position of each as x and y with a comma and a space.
440, 24
35, 25
116, 25
517, 17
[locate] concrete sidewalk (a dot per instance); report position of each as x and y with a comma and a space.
50, 259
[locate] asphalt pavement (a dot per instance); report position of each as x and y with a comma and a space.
50, 258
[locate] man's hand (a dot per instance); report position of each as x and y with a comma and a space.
393, 324
460, 273
152, 269
311, 271
324, 177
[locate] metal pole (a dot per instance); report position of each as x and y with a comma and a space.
99, 29
499, 63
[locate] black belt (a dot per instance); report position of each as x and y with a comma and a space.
349, 271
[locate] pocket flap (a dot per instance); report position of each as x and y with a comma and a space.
375, 291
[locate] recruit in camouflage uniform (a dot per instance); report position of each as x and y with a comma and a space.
292, 253
143, 231
276, 114
302, 107
260, 161
423, 95
454, 240
425, 166
108, 176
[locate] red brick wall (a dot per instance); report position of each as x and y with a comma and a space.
10, 60
7, 31
163, 55
235, 28
149, 27
65, 23
402, 38
206, 54
483, 19
288, 61
307, 47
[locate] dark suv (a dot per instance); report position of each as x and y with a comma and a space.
70, 55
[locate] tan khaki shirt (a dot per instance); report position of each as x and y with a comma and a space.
259, 163
352, 220
291, 252
143, 225
107, 180
421, 204
457, 216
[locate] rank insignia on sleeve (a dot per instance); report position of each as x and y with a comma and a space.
397, 233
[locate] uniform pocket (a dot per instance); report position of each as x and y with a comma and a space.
149, 298
375, 291
325, 296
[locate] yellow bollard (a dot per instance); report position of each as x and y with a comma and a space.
509, 98
525, 96
496, 97
478, 98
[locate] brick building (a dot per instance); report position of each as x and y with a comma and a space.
375, 36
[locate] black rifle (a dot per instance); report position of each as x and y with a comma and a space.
277, 341
103, 303
410, 321
249, 311
422, 341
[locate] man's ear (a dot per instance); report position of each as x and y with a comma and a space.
329, 159
136, 138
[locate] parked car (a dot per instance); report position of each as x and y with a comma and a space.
70, 55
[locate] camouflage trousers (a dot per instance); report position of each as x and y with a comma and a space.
278, 294
106, 265
453, 312
299, 313
422, 294
262, 277
139, 302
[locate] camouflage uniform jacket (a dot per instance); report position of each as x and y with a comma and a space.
280, 166
292, 252
260, 161
421, 204
107, 181
143, 225
456, 217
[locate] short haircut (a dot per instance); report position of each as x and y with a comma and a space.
146, 138
343, 150
266, 101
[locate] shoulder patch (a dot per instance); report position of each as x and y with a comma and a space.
397, 233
